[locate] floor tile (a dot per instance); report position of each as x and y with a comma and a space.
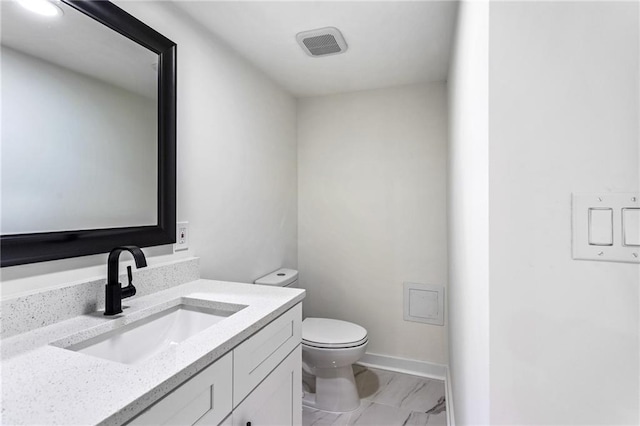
313, 417
388, 399
413, 393
372, 414
371, 381
398, 390
417, 419
423, 419
438, 419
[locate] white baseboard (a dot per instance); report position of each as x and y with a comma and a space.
404, 365
451, 421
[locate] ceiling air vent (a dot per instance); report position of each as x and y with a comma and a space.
322, 42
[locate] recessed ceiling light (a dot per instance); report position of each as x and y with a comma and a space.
41, 7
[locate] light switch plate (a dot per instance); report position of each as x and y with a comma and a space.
583, 207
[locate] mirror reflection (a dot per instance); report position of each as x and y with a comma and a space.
79, 124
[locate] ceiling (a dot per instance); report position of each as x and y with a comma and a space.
390, 43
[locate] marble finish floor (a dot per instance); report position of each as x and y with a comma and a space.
388, 399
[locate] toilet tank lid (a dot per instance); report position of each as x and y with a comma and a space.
282, 277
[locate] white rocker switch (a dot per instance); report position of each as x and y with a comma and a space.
631, 226
605, 226
600, 227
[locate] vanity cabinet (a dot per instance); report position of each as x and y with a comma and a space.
259, 381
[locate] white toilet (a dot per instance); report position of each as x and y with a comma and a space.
329, 348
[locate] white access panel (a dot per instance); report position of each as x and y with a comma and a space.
605, 227
424, 303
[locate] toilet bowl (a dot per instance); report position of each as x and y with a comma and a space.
329, 348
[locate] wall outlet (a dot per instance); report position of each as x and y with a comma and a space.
182, 236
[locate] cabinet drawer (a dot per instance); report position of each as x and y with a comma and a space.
205, 399
255, 358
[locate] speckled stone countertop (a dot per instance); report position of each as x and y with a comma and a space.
44, 384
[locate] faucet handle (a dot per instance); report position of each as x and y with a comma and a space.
129, 290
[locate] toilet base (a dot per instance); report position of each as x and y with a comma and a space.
336, 390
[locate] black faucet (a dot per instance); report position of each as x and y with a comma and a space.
114, 293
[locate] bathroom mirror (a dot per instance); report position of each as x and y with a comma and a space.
88, 132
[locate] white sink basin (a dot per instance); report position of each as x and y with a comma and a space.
142, 339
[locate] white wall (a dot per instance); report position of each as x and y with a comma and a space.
54, 131
236, 154
469, 216
564, 334
372, 210
236, 161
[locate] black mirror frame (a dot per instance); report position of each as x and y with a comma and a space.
19, 249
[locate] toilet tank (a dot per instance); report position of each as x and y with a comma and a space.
281, 278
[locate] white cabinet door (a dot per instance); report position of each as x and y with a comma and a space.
277, 401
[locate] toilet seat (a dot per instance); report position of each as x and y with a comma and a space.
330, 333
